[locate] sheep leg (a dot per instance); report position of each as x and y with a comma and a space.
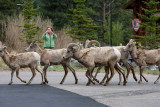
141, 74
158, 76
88, 74
112, 73
73, 71
33, 75
106, 75
133, 72
44, 72
126, 64
98, 70
17, 75
42, 76
93, 76
12, 72
121, 72
66, 72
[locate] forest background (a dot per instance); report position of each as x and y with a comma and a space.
58, 13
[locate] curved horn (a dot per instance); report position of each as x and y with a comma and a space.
71, 45
92, 42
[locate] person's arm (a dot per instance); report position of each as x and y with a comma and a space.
44, 36
54, 36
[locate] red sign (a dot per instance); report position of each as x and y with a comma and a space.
136, 24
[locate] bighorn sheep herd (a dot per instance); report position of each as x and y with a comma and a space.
90, 56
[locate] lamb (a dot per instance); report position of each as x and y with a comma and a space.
143, 58
22, 60
52, 57
92, 57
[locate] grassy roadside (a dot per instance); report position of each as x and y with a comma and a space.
3, 66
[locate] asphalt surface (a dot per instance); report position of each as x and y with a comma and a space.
70, 94
42, 96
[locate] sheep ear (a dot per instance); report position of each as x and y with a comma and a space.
74, 49
34, 41
131, 41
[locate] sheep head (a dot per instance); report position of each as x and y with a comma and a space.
80, 45
131, 47
32, 47
71, 49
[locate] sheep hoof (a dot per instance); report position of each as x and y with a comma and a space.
101, 83
28, 83
124, 84
76, 82
97, 81
119, 83
24, 81
146, 80
136, 79
61, 82
10, 83
155, 82
46, 82
87, 84
105, 84
139, 82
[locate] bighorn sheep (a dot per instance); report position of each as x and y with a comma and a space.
52, 57
91, 43
143, 58
92, 57
22, 60
123, 59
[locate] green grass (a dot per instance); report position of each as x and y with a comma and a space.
60, 68
155, 72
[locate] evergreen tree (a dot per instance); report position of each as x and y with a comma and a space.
117, 32
56, 10
30, 30
83, 27
7, 9
151, 40
95, 11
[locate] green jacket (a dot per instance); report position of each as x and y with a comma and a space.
49, 41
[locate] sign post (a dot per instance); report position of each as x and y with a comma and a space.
136, 24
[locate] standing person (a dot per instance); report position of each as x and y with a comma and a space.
48, 38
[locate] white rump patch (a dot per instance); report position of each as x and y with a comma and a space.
117, 52
37, 56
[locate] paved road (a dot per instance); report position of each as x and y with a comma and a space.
42, 96
134, 94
